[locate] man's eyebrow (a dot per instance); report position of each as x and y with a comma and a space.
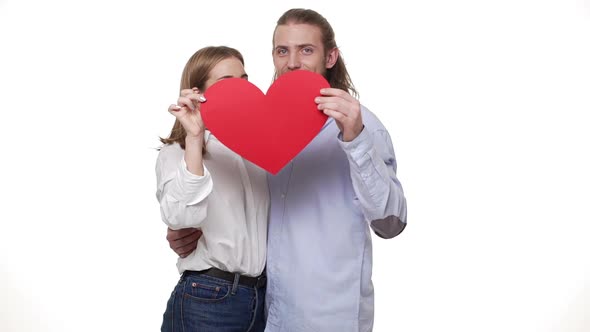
296, 46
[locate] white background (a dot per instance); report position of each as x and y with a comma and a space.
484, 100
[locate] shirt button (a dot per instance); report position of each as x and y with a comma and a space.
283, 195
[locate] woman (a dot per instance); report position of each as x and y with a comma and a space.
203, 184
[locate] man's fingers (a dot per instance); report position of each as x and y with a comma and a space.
338, 116
187, 240
331, 105
186, 250
334, 103
337, 93
175, 235
183, 241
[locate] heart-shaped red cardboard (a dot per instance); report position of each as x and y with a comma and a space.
268, 130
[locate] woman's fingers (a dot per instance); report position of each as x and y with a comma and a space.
174, 108
186, 92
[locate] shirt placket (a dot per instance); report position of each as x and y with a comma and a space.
278, 190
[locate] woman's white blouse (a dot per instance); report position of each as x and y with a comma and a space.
229, 203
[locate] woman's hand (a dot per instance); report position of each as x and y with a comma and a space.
187, 112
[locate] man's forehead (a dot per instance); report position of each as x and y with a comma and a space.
297, 34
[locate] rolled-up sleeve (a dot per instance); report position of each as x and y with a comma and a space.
182, 195
373, 172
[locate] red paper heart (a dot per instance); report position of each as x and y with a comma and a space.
268, 130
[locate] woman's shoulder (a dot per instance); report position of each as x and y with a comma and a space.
170, 152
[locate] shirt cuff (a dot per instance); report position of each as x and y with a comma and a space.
197, 187
190, 176
358, 149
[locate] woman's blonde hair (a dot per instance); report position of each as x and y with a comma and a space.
195, 74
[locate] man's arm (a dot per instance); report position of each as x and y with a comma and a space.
372, 162
373, 174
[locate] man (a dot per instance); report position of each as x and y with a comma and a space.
319, 258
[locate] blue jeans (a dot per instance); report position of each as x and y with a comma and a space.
204, 303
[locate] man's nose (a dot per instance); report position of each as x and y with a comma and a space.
294, 62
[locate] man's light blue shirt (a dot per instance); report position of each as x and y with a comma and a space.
323, 205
